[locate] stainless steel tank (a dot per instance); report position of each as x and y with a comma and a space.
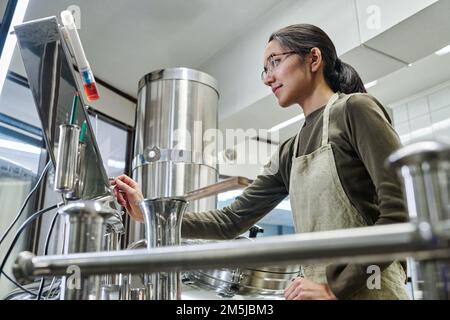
175, 145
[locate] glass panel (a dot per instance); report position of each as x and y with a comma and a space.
53, 83
20, 155
278, 222
3, 4
112, 142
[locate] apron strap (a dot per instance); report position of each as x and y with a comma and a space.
326, 122
296, 145
326, 119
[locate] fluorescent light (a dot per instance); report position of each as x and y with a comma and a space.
443, 51
371, 84
10, 43
18, 146
287, 123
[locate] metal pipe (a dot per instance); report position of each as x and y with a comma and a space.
376, 243
231, 183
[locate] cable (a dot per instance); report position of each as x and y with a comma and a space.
19, 231
47, 166
49, 293
47, 242
25, 202
18, 285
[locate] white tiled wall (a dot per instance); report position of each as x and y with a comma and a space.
424, 116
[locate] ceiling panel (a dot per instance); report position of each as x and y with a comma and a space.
371, 65
125, 40
418, 36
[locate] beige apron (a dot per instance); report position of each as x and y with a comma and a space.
319, 203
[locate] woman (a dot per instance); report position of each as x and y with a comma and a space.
332, 169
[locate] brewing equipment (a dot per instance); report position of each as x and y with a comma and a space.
172, 154
176, 107
163, 222
242, 281
267, 280
93, 219
223, 281
424, 168
86, 228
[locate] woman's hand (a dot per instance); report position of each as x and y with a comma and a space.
129, 194
304, 289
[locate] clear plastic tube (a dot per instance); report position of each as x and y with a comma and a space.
87, 77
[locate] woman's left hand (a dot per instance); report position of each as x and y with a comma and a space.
304, 289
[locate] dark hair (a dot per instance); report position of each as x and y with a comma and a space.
301, 38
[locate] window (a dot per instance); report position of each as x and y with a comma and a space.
114, 140
277, 222
2, 10
22, 159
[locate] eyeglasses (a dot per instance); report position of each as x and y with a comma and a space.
273, 62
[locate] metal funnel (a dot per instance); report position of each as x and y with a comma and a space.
163, 218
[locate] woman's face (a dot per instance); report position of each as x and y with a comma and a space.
290, 78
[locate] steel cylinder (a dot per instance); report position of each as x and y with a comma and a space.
85, 229
424, 169
175, 137
67, 159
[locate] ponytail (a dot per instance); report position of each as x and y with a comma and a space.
345, 79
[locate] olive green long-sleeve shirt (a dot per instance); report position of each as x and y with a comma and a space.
362, 138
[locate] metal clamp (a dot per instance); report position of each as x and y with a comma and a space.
154, 154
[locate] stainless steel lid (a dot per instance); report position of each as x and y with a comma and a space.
291, 269
179, 74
